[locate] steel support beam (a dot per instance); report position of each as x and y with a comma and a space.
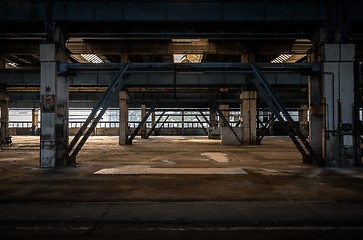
155, 124
143, 121
269, 96
162, 125
263, 131
201, 124
108, 97
220, 113
205, 118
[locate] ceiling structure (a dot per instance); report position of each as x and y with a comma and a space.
166, 31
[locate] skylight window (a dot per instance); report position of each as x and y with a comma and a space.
11, 64
282, 58
188, 58
92, 58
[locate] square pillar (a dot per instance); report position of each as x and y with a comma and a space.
2, 60
225, 111
248, 117
316, 114
143, 128
153, 121
338, 141
123, 118
35, 121
4, 118
212, 118
54, 97
303, 119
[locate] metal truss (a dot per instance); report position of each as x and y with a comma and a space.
280, 112
108, 97
143, 121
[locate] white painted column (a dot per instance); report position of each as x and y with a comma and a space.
54, 96
124, 118
248, 117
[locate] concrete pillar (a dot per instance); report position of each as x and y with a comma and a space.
225, 111
143, 128
153, 120
2, 60
315, 114
4, 119
248, 117
54, 97
212, 118
35, 120
338, 143
303, 119
124, 118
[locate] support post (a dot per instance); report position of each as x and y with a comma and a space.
143, 128
123, 118
316, 114
54, 96
248, 117
338, 141
4, 119
152, 124
35, 121
2, 60
212, 117
303, 119
225, 110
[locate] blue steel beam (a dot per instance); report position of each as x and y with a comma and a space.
155, 124
162, 125
162, 75
143, 121
75, 146
276, 107
201, 124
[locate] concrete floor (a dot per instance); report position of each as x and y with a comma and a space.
177, 187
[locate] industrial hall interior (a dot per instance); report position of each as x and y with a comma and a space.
183, 119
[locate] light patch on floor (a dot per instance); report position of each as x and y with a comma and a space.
167, 162
11, 159
216, 156
272, 172
146, 169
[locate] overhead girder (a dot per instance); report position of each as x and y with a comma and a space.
176, 85
167, 75
163, 47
